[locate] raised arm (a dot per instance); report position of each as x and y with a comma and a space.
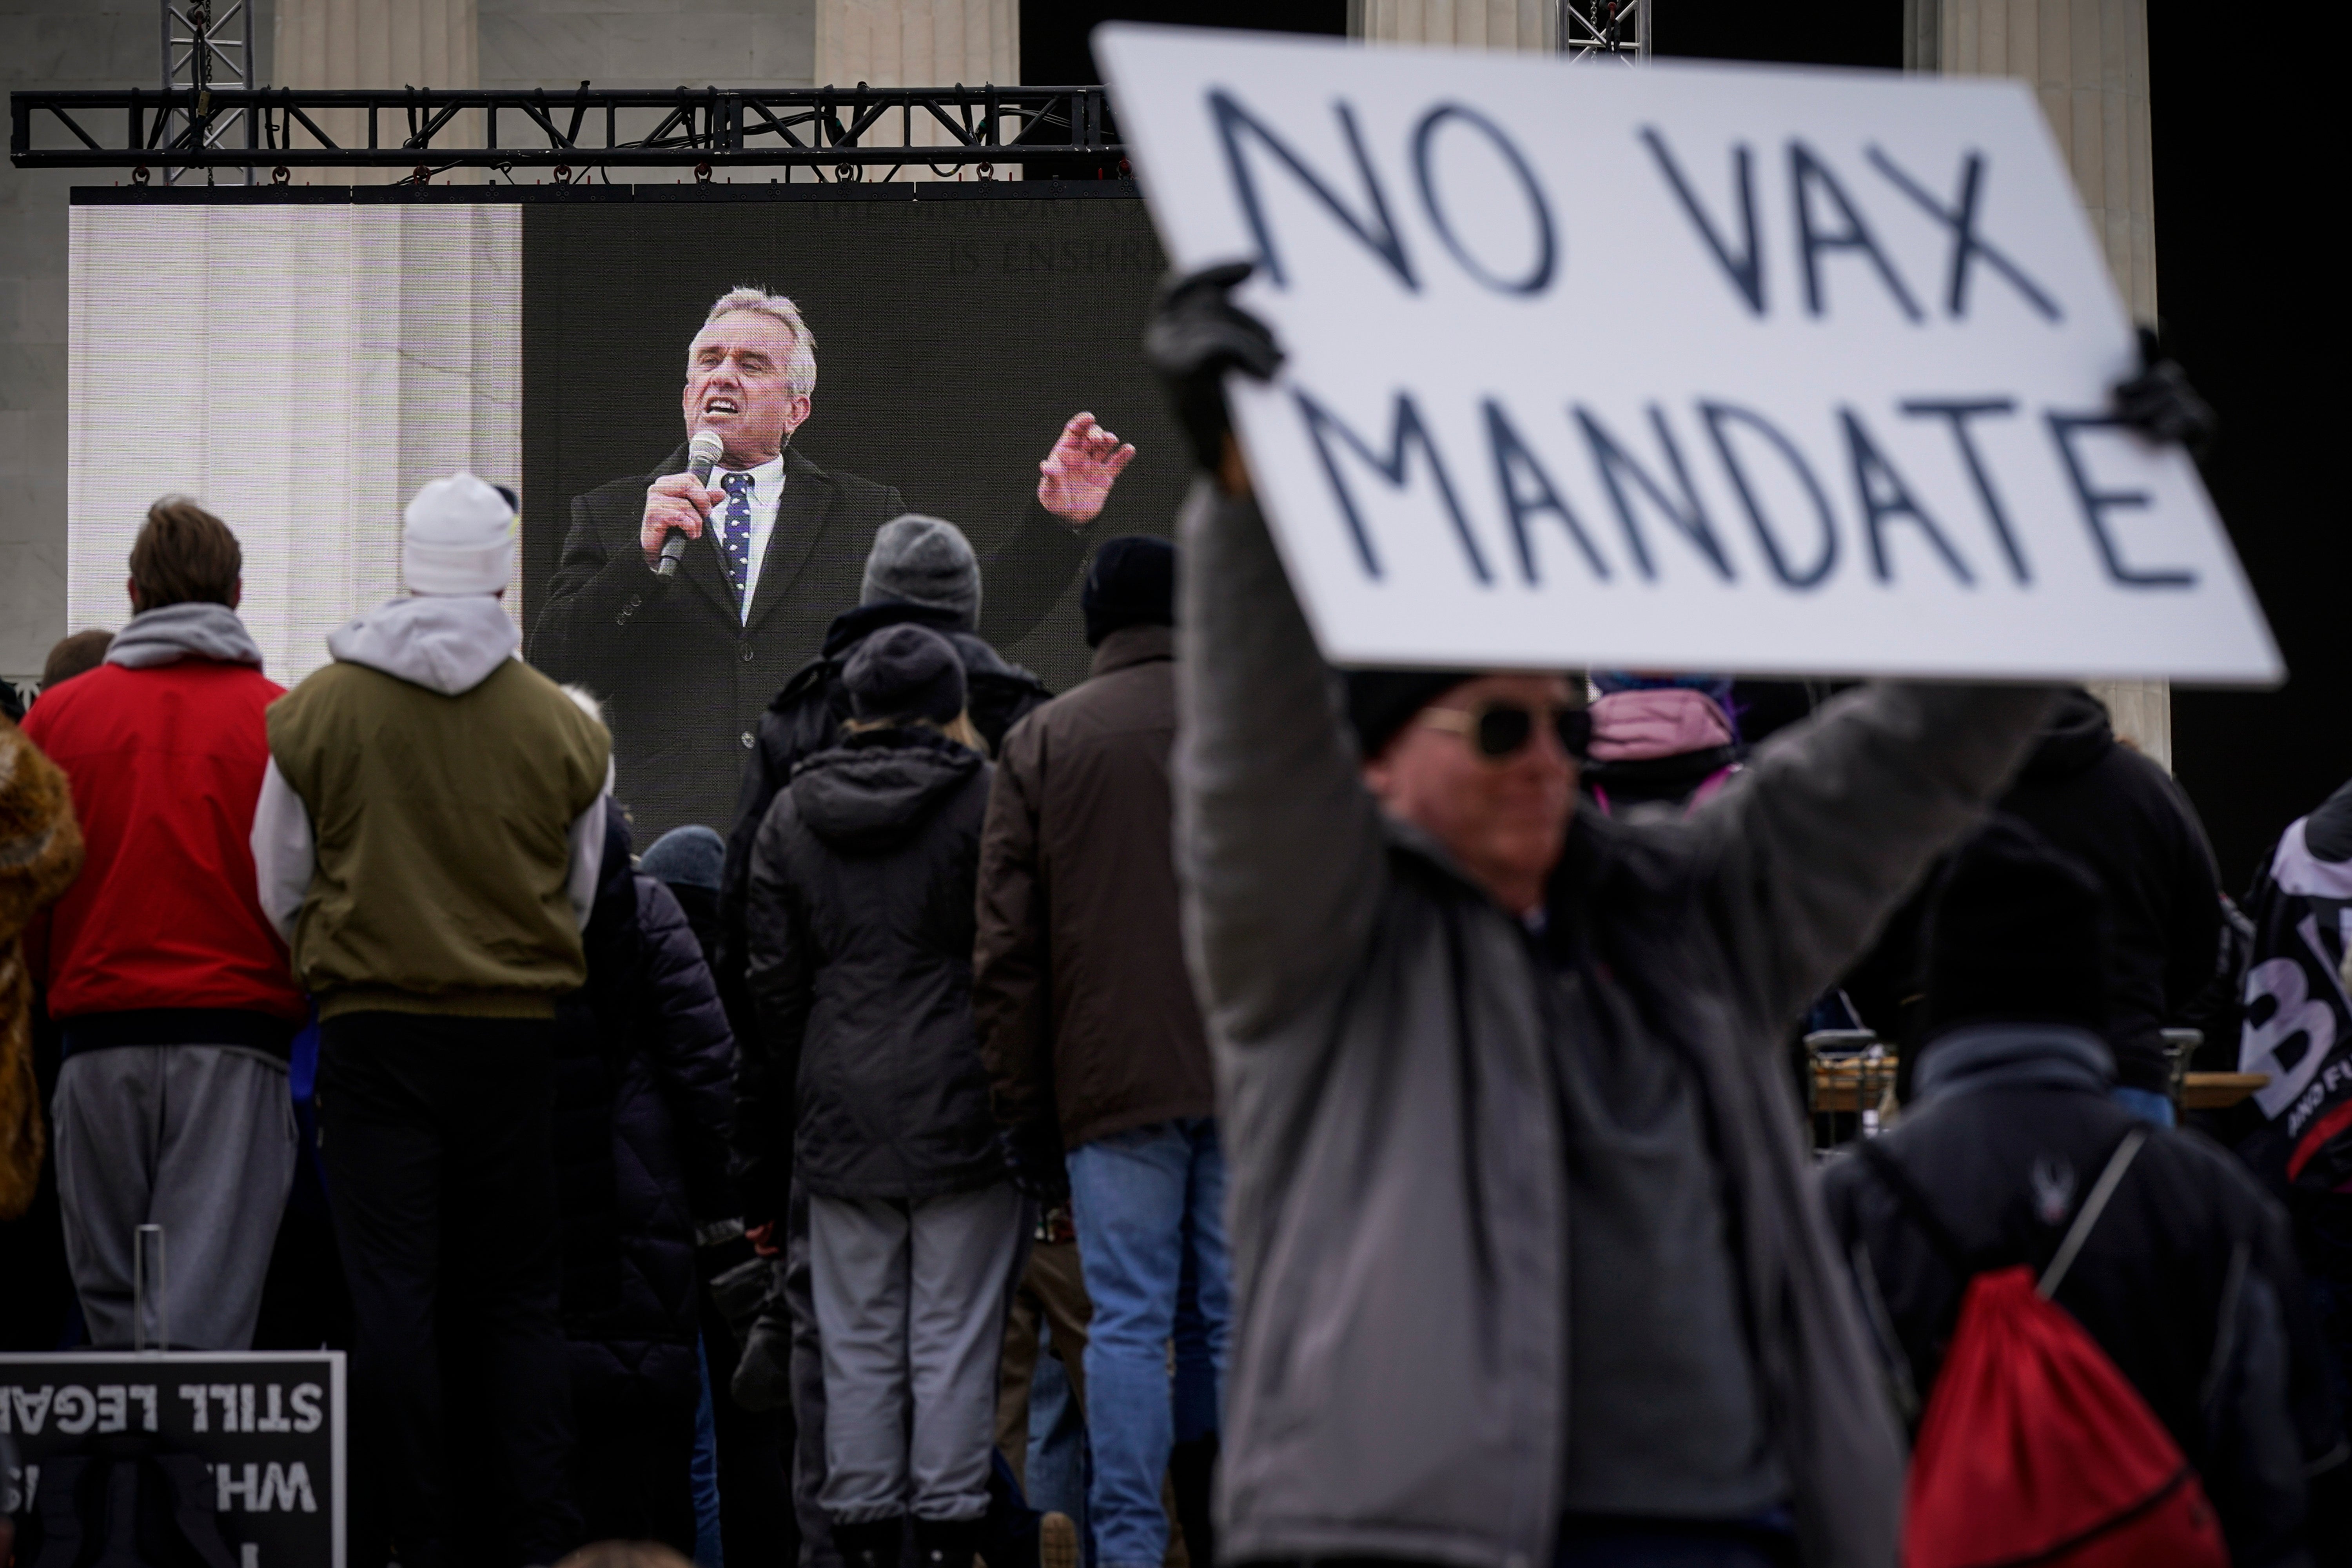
1836, 820
1279, 847
1028, 573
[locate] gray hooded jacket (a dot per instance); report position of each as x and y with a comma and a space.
175, 632
1387, 1043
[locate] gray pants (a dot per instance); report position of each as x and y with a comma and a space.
197, 1139
910, 1306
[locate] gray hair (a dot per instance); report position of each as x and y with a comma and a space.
800, 370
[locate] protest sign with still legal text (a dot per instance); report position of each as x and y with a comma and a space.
259, 1432
1725, 368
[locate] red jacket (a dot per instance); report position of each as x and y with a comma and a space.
166, 765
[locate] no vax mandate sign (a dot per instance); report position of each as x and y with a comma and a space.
1726, 368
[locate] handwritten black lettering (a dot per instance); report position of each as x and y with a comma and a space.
1687, 515
1717, 414
1807, 175
1375, 230
1958, 412
1424, 136
2097, 503
1966, 243
1406, 431
1528, 493
1883, 495
1744, 268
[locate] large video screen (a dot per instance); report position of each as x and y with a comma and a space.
308, 363
954, 339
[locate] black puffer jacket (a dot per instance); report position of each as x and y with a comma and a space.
668, 1135
2133, 829
2189, 1281
806, 718
595, 1034
861, 921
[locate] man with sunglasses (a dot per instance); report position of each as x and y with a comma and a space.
1527, 1262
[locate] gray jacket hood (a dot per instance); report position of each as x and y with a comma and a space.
184, 631
450, 644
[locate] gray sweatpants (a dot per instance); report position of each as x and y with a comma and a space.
197, 1139
910, 1307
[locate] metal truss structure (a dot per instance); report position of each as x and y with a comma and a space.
203, 46
1619, 27
835, 132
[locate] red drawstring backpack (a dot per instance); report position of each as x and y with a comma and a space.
2034, 1449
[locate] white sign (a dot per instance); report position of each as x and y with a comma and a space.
1720, 368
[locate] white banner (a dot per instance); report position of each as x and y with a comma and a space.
1720, 368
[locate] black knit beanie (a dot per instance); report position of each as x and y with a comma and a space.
1382, 702
2016, 932
1132, 583
905, 671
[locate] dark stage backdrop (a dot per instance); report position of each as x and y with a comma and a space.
957, 327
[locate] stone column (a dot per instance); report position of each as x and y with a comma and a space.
2087, 60
378, 44
1474, 24
920, 43
300, 369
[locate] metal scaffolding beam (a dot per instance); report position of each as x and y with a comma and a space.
1599, 27
203, 46
844, 131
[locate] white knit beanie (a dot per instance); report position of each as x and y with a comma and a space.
459, 538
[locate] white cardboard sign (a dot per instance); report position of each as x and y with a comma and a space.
1724, 368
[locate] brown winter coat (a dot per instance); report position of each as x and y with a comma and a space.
1084, 1005
40, 854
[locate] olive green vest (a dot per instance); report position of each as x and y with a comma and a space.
442, 827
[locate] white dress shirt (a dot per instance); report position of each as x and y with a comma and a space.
767, 494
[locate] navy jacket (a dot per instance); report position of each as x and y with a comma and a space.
663, 1060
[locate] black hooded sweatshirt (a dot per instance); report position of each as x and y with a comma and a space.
861, 925
804, 718
2188, 1281
2133, 829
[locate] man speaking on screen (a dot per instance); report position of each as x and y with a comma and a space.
775, 547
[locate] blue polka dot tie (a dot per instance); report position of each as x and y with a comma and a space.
735, 531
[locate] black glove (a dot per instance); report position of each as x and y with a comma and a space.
2159, 403
1195, 335
1033, 1159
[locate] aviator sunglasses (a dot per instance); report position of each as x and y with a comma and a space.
1501, 728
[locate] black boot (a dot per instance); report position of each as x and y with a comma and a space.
872, 1545
1192, 1471
946, 1543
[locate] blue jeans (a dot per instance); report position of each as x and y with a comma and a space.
2146, 1104
1150, 1208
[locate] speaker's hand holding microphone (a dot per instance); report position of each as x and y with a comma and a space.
678, 507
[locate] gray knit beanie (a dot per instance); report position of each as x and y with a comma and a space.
927, 561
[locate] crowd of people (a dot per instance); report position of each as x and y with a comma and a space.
1353, 1113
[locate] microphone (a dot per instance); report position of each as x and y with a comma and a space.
702, 452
